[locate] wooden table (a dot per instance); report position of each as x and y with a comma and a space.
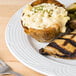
7, 9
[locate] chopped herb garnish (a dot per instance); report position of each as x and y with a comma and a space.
28, 15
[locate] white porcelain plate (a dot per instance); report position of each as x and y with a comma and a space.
25, 49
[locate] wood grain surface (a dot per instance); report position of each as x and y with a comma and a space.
7, 9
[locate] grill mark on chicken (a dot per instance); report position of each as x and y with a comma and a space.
73, 54
63, 34
41, 51
68, 41
62, 50
71, 34
66, 56
65, 43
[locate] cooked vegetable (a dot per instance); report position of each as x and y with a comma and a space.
72, 13
72, 7
72, 24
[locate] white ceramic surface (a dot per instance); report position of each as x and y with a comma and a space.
25, 49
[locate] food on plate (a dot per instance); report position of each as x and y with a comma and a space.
72, 7
72, 13
63, 47
44, 19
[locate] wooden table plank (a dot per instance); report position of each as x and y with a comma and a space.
7, 9
14, 2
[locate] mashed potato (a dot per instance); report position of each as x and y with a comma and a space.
45, 15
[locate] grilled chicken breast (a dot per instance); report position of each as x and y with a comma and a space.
63, 47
